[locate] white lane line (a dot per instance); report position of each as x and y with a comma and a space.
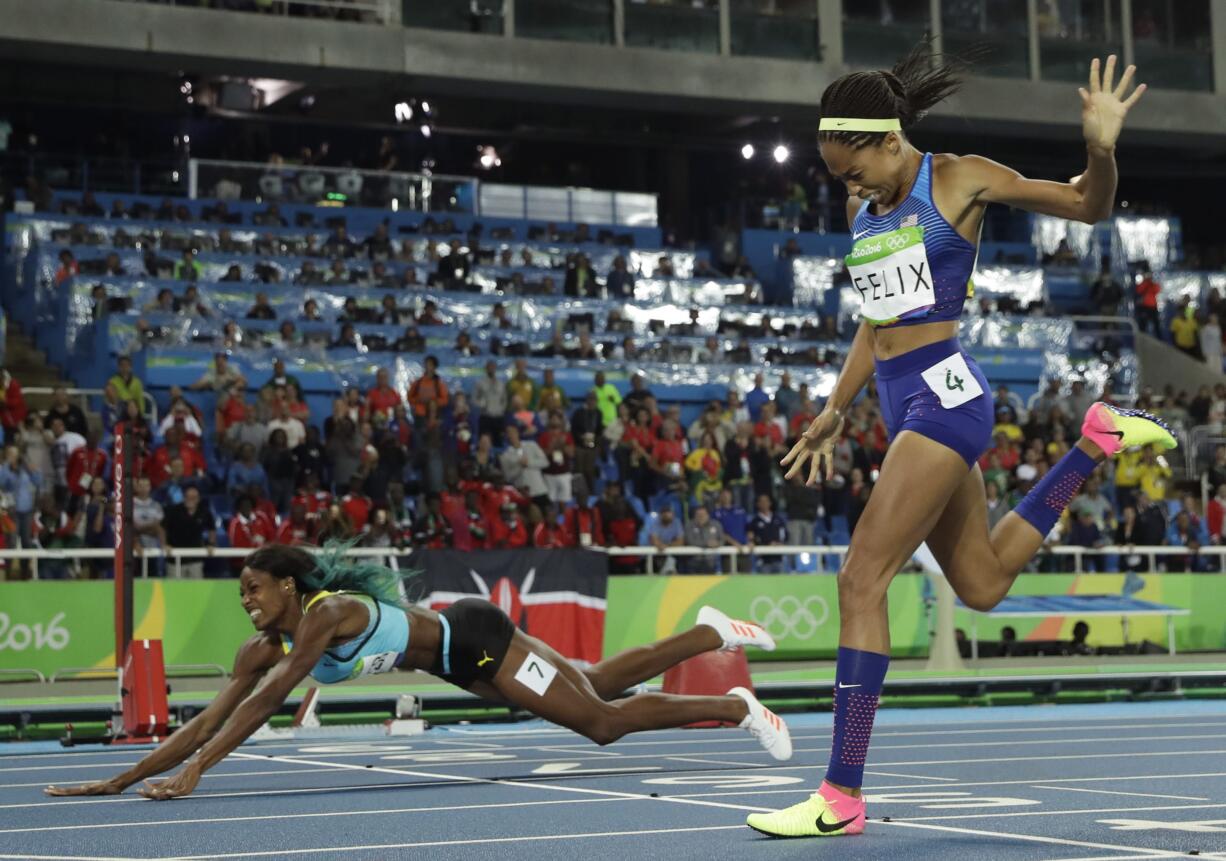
206, 774
578, 790
911, 776
472, 842
1111, 792
1081, 812
704, 761
219, 820
1141, 851
70, 858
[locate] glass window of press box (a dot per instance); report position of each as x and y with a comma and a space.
782, 29
1172, 43
1074, 32
464, 16
674, 25
876, 33
997, 32
569, 20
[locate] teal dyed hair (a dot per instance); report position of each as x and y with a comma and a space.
330, 570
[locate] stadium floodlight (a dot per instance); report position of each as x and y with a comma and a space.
425, 107
747, 151
425, 130
781, 153
488, 157
404, 112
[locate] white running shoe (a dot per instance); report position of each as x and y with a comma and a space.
766, 726
734, 632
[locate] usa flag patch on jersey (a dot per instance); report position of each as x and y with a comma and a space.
909, 221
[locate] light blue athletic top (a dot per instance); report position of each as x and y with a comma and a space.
378, 649
950, 257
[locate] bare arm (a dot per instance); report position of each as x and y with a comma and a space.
314, 633
254, 658
1091, 196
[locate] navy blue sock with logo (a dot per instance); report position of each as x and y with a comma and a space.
857, 687
1046, 501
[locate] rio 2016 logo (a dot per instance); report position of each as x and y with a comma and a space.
19, 637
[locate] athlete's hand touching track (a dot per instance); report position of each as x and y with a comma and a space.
1103, 106
102, 787
181, 784
814, 444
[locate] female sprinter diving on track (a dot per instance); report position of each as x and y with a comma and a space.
915, 220
333, 619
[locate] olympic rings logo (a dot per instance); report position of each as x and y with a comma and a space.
790, 616
894, 243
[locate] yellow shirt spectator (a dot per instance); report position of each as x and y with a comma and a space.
1185, 331
1128, 469
1009, 429
524, 387
1154, 479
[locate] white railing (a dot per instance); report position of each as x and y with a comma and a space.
177, 556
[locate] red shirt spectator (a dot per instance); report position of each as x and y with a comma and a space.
357, 505
549, 535
313, 500
176, 446
382, 399
509, 531
298, 528
770, 430
13, 410
583, 527
428, 391
667, 451
1147, 292
84, 465
248, 529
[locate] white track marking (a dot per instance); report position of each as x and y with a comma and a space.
219, 820
535, 784
910, 776
1111, 792
25, 857
1083, 812
475, 841
1141, 851
206, 774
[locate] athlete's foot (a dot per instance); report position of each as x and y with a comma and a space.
826, 813
1113, 429
766, 726
734, 632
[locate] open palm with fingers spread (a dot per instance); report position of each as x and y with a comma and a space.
814, 444
1103, 106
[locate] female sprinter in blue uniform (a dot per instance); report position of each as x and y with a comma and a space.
915, 222
333, 620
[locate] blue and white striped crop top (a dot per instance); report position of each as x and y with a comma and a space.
378, 649
910, 266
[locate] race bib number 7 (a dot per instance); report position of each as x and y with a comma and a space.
890, 272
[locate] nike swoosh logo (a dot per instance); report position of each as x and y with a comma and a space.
1119, 434
858, 235
830, 827
841, 686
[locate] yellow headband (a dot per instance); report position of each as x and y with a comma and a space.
845, 124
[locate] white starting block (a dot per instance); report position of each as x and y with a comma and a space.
306, 724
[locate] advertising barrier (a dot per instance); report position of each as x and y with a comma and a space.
50, 625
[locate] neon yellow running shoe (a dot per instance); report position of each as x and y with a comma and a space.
1114, 429
826, 813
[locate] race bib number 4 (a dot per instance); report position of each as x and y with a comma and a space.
952, 381
384, 662
890, 271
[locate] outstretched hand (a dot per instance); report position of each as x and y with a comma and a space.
815, 443
1103, 106
102, 787
175, 787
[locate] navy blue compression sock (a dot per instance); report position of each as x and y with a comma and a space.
857, 687
1046, 501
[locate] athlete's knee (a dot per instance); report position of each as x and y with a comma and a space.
598, 682
981, 598
863, 583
